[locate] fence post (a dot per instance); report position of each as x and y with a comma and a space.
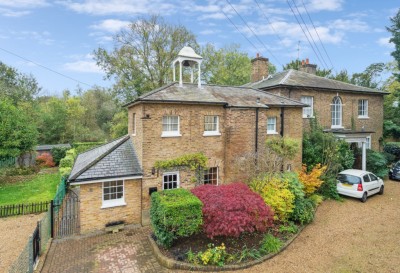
52, 218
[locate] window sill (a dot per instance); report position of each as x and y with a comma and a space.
308, 117
175, 134
337, 127
211, 134
112, 204
133, 134
363, 117
272, 133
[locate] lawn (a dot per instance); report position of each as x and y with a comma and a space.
39, 187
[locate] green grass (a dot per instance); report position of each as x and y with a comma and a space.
42, 187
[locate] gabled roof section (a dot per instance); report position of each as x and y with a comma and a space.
301, 79
229, 96
114, 159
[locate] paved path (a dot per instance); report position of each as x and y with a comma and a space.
347, 236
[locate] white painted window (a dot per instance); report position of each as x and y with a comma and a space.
271, 125
211, 176
308, 111
368, 142
336, 111
113, 194
363, 108
211, 126
170, 180
170, 126
134, 124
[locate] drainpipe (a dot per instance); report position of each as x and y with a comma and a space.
282, 120
364, 156
256, 131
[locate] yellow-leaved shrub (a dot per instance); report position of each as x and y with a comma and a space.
275, 192
311, 180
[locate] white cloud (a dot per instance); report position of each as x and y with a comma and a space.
23, 3
209, 31
352, 25
384, 41
13, 13
111, 25
138, 7
42, 38
319, 5
83, 66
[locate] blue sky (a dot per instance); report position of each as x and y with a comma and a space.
61, 35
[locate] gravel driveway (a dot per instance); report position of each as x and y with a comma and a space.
347, 236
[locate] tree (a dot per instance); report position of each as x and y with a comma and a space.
52, 125
296, 64
394, 29
16, 86
141, 60
342, 76
368, 78
225, 66
18, 134
119, 124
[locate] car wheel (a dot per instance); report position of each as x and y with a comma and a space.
381, 190
364, 197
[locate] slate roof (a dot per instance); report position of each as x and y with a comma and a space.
46, 147
300, 79
114, 159
229, 96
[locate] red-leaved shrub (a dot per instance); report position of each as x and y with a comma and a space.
45, 160
229, 210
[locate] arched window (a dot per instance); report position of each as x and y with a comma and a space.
336, 111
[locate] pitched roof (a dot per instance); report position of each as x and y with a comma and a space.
297, 78
230, 96
114, 159
45, 147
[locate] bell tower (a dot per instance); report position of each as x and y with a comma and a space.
187, 58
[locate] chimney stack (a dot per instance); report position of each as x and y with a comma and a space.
259, 69
307, 67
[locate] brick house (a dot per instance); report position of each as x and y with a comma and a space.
223, 122
350, 112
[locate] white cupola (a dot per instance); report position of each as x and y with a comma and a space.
187, 58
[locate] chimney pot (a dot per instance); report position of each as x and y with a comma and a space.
307, 61
258, 55
302, 62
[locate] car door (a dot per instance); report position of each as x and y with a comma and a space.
375, 185
367, 184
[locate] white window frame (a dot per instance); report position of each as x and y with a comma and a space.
134, 124
308, 112
213, 132
217, 175
271, 132
368, 142
113, 202
177, 178
170, 133
363, 108
337, 112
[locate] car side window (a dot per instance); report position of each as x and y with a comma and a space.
366, 178
373, 177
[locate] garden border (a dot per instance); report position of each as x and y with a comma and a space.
173, 264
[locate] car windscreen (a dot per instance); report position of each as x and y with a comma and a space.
347, 178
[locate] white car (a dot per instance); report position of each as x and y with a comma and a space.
359, 184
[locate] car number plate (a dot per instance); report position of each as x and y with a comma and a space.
347, 185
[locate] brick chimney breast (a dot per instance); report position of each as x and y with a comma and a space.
308, 68
259, 69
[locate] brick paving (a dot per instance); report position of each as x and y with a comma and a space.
127, 251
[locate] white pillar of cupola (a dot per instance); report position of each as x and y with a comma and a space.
187, 58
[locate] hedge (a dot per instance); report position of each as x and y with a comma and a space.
81, 147
175, 213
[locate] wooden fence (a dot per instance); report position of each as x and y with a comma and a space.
21, 209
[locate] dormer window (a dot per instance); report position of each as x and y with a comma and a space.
170, 125
336, 112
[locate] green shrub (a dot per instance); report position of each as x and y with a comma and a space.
377, 163
303, 212
295, 186
316, 199
72, 153
328, 188
393, 149
175, 213
289, 227
81, 147
67, 161
65, 171
58, 153
270, 244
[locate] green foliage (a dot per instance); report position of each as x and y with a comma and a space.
377, 163
67, 161
394, 29
65, 171
328, 188
316, 199
275, 193
295, 185
303, 212
72, 153
175, 213
285, 147
191, 161
289, 227
12, 171
270, 244
392, 148
119, 124
81, 147
18, 134
214, 255
37, 188
58, 153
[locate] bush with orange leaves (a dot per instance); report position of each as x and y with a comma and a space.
311, 180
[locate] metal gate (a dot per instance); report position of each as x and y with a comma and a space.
36, 244
66, 216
